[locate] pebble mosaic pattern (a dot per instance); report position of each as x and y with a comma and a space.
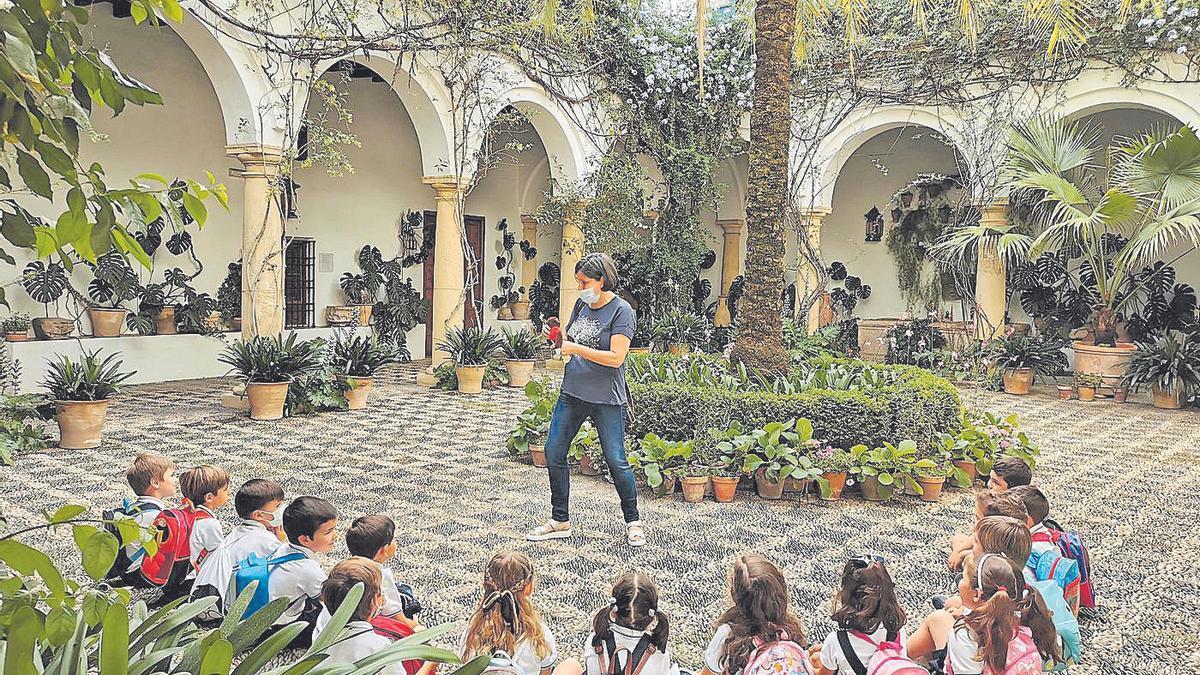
1125, 475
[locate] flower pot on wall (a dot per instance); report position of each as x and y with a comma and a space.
693, 488
505, 313
1018, 381
724, 488
519, 372
1168, 399
164, 321
341, 315
359, 391
107, 321
52, 327
837, 483
17, 336
266, 399
80, 423
1107, 362
520, 310
470, 378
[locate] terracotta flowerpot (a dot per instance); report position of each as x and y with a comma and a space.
16, 337
679, 349
932, 487
1065, 393
639, 350
767, 489
587, 468
1107, 362
266, 399
520, 310
538, 454
872, 491
1120, 395
796, 486
1087, 393
667, 487
968, 468
505, 313
1018, 381
341, 315
80, 423
837, 483
364, 314
724, 488
693, 488
519, 372
470, 378
359, 391
106, 321
52, 328
1168, 399
164, 321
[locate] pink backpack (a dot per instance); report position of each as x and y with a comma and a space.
782, 657
1023, 657
888, 659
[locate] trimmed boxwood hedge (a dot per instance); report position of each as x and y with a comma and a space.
919, 405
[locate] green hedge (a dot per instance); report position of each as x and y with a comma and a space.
919, 405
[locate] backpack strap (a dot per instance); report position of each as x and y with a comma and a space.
1043, 537
606, 652
641, 654
284, 559
848, 652
1053, 525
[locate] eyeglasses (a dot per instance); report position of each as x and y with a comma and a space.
864, 561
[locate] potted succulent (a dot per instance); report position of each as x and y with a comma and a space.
1086, 385
1169, 366
882, 470
471, 349
229, 296
520, 347
113, 284
682, 330
16, 327
834, 464
1021, 357
267, 365
533, 423
46, 283
695, 481
355, 360
659, 460
81, 390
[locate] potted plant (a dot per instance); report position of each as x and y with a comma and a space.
470, 350
695, 480
16, 327
643, 337
533, 423
159, 302
267, 365
1066, 392
519, 349
882, 470
682, 330
362, 289
81, 390
728, 470
834, 464
1021, 357
659, 460
932, 478
1169, 366
585, 449
46, 283
113, 283
769, 457
229, 296
1120, 393
355, 360
1086, 384
508, 301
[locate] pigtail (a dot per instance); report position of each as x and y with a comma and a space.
602, 626
994, 624
661, 631
1036, 616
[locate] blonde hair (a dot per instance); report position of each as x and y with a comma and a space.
343, 577
198, 482
145, 469
1004, 534
505, 617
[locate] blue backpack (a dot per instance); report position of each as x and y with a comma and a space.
1065, 623
1053, 566
254, 568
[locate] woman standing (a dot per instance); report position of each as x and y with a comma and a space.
597, 339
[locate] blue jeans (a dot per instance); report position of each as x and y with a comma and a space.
609, 420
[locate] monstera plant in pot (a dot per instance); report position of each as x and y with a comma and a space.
114, 283
356, 359
471, 349
361, 289
81, 390
1021, 358
519, 349
46, 283
267, 365
1170, 367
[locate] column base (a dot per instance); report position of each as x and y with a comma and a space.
236, 399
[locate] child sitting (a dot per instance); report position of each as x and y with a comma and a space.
759, 617
362, 640
994, 534
1008, 473
1038, 509
311, 527
374, 538
987, 503
630, 628
998, 609
206, 489
507, 621
259, 505
1046, 561
867, 613
153, 480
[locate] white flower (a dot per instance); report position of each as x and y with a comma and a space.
5, 5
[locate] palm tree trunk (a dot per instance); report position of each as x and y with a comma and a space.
760, 331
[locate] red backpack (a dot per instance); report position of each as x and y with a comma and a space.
171, 562
390, 627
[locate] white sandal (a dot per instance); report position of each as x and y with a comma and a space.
552, 529
635, 536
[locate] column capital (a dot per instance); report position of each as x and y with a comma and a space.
528, 220
815, 212
993, 213
444, 187
732, 225
257, 160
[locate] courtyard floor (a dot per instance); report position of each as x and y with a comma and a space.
1126, 475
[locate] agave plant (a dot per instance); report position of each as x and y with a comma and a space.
1170, 364
521, 345
472, 346
680, 327
272, 359
360, 356
91, 378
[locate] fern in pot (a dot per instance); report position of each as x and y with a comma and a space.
267, 365
519, 350
81, 390
1169, 366
471, 350
356, 359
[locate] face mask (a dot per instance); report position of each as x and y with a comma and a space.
589, 296
276, 516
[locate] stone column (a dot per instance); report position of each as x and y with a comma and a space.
990, 275
448, 307
528, 267
731, 266
262, 240
572, 251
809, 276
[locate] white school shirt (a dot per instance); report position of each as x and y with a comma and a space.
364, 642
714, 654
247, 537
833, 658
207, 535
1040, 547
659, 663
145, 518
296, 580
962, 651
524, 657
392, 604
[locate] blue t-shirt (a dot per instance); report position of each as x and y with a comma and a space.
589, 381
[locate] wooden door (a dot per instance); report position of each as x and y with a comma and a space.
473, 311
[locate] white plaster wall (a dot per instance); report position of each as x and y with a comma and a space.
861, 185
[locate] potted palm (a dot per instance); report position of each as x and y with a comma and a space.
881, 471
834, 464
682, 330
81, 391
1169, 366
267, 365
470, 350
355, 360
519, 349
113, 283
46, 283
1021, 357
533, 423
16, 327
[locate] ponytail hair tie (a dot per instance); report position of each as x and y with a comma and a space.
652, 612
612, 602
1002, 588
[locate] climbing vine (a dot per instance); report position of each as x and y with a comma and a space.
921, 212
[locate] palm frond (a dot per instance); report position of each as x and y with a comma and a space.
1178, 226
809, 13
1043, 145
1064, 22
1163, 162
920, 13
